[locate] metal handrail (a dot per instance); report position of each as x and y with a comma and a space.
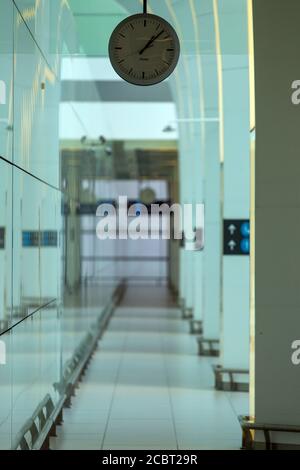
35, 424
248, 424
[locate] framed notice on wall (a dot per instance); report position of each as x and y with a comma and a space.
236, 237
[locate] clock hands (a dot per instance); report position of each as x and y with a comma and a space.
150, 42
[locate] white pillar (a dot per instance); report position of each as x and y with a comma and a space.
236, 184
276, 380
212, 250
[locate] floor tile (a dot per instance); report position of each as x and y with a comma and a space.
206, 444
77, 442
145, 381
141, 403
74, 428
239, 402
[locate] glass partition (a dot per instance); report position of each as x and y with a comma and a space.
48, 305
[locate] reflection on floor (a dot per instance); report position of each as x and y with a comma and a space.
146, 388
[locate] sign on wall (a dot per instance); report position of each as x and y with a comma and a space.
35, 238
2, 238
236, 237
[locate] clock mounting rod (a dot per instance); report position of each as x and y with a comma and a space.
145, 7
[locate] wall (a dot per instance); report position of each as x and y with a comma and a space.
40, 322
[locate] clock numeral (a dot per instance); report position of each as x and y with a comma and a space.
119, 48
122, 35
170, 49
130, 70
120, 62
132, 27
143, 74
145, 23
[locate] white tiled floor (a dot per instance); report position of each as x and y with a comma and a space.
146, 388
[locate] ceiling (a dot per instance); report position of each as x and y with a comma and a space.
95, 20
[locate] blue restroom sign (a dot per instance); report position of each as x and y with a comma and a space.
35, 238
236, 237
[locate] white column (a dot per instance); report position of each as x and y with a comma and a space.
236, 192
73, 257
212, 171
276, 379
187, 198
212, 250
198, 255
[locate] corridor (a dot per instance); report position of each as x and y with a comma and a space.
146, 387
149, 226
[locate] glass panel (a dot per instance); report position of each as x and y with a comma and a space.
36, 364
6, 356
5, 244
36, 101
36, 244
46, 20
6, 78
6, 122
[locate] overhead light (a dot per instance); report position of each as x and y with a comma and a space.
169, 129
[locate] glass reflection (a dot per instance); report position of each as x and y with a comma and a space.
5, 244
58, 279
6, 355
6, 79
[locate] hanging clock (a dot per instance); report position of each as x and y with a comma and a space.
144, 49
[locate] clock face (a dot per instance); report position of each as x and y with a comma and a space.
144, 49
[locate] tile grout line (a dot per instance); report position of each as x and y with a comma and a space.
114, 389
170, 395
231, 404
